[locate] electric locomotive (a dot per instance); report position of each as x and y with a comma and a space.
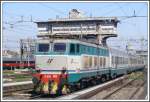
66, 64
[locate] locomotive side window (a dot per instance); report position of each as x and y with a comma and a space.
43, 47
75, 48
59, 47
72, 48
78, 48
85, 61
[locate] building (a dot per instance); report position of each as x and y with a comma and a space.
27, 48
9, 53
143, 55
96, 29
11, 61
24, 59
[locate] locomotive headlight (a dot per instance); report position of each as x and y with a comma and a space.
54, 76
63, 70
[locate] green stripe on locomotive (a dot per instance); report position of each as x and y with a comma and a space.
75, 77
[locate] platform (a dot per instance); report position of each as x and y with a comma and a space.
16, 83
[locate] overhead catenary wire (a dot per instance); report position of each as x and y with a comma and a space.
52, 9
27, 28
111, 11
61, 12
121, 8
19, 26
140, 9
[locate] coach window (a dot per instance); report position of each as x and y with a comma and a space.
90, 61
78, 48
43, 47
120, 60
72, 48
116, 60
101, 61
95, 61
59, 47
104, 62
112, 59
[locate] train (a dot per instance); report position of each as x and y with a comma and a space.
63, 65
13, 63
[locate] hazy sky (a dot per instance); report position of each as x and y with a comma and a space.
132, 28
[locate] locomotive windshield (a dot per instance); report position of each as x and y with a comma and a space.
43, 47
59, 47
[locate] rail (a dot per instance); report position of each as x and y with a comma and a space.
10, 88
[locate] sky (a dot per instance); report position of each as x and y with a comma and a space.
128, 29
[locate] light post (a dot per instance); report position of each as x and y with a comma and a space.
21, 52
28, 51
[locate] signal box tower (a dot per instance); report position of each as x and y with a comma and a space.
76, 26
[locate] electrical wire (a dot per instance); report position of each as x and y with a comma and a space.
52, 8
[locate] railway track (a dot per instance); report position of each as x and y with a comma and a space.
111, 94
21, 90
126, 90
13, 88
106, 90
136, 91
86, 93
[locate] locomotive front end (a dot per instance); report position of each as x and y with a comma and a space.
51, 69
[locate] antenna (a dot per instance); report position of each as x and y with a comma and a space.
134, 15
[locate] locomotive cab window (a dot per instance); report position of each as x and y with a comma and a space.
59, 47
43, 47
